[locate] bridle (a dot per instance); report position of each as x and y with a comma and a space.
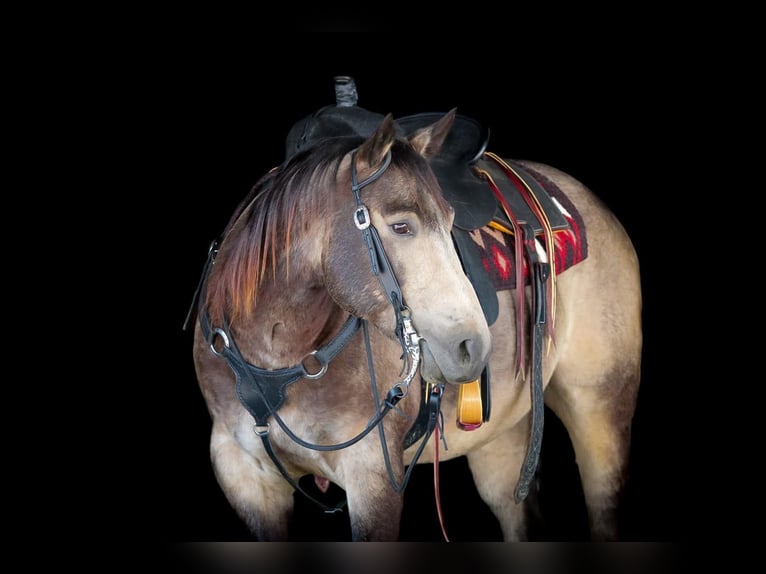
262, 391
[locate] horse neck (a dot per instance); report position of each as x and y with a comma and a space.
290, 320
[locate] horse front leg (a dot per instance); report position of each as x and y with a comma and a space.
374, 507
259, 494
495, 468
375, 512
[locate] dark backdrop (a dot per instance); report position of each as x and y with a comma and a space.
216, 132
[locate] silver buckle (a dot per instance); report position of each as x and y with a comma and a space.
363, 222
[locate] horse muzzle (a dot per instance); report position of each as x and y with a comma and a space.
461, 362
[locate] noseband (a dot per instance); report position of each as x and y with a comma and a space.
262, 391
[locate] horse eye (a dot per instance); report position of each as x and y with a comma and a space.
401, 228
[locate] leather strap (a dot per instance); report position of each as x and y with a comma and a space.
437, 492
262, 391
486, 395
538, 271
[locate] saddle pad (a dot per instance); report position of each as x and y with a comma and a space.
497, 248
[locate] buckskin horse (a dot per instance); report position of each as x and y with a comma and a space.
362, 311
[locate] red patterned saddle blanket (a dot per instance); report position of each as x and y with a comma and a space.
497, 247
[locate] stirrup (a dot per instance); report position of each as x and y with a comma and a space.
469, 407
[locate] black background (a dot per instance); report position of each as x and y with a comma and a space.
618, 129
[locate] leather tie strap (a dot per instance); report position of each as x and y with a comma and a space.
531, 191
518, 259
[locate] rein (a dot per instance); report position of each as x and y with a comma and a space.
261, 391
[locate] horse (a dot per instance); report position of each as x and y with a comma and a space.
338, 327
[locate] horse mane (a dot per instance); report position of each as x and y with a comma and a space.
279, 207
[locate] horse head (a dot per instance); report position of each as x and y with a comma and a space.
408, 236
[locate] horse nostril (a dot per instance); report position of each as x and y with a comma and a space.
465, 350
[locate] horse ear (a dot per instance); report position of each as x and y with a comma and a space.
428, 141
372, 152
